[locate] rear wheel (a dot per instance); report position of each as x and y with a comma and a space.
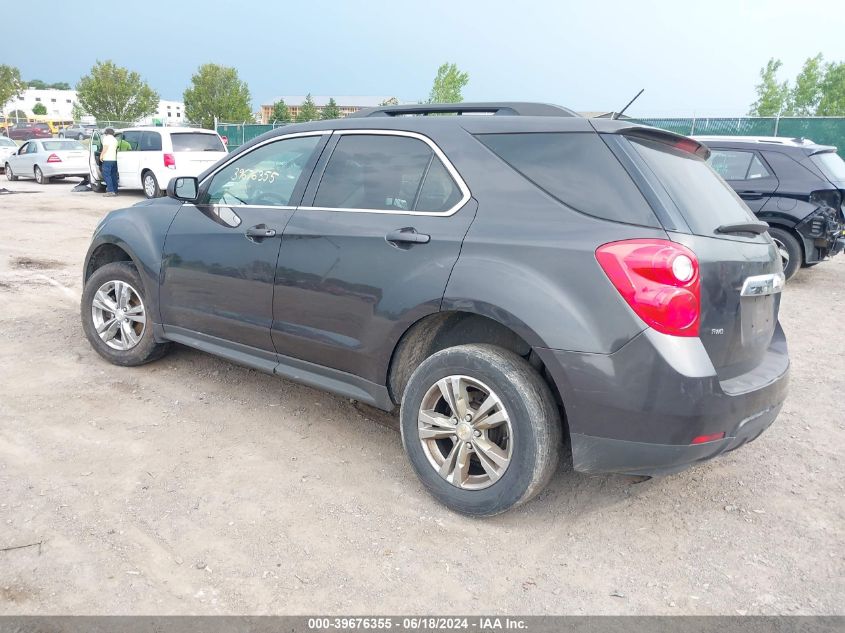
115, 317
789, 249
40, 178
80, 136
151, 188
480, 428
9, 174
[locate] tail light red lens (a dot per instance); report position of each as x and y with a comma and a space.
169, 161
53, 158
659, 279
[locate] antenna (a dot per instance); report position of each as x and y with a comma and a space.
616, 115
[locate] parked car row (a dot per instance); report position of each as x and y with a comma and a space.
47, 159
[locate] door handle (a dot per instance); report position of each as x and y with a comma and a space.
260, 231
408, 235
751, 195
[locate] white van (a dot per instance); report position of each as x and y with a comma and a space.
149, 157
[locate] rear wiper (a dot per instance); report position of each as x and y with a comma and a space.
744, 227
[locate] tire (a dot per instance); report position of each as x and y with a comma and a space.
790, 251
150, 185
80, 137
529, 437
61, 134
9, 174
40, 178
127, 350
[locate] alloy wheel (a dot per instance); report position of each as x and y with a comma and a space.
118, 314
149, 185
782, 251
8, 170
465, 432
39, 176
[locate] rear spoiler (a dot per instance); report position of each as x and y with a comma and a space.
683, 143
648, 133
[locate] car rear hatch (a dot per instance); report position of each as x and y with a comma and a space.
740, 271
194, 152
832, 166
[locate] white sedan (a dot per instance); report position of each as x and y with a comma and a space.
7, 148
44, 159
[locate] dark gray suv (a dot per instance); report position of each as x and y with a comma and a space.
518, 284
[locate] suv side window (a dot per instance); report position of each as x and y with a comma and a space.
386, 173
133, 138
265, 176
737, 165
577, 169
150, 142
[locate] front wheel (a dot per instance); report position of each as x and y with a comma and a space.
151, 188
40, 178
480, 428
115, 317
80, 137
789, 250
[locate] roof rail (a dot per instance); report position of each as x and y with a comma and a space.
506, 108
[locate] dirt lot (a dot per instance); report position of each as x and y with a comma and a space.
192, 485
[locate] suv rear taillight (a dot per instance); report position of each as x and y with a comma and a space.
169, 161
52, 158
660, 281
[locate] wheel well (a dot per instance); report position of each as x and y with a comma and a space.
105, 254
794, 234
438, 331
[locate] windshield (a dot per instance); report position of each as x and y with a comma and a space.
832, 166
197, 142
54, 146
703, 198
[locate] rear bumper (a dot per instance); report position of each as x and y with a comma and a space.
64, 169
638, 410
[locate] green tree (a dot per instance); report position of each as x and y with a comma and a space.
39, 108
217, 91
16, 115
36, 84
77, 112
448, 85
281, 113
392, 101
60, 85
771, 95
307, 111
112, 93
832, 101
805, 94
330, 110
10, 84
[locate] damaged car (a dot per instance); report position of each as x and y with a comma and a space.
795, 185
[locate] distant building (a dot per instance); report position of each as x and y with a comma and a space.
167, 113
59, 103
347, 105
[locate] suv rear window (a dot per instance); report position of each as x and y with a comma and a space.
577, 169
196, 142
832, 166
705, 200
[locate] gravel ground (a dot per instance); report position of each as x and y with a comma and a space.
194, 486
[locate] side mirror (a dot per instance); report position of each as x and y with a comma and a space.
185, 188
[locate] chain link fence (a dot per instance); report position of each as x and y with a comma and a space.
822, 130
236, 134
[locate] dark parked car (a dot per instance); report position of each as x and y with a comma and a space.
79, 131
27, 131
508, 281
795, 185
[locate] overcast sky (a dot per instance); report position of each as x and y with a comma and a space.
691, 57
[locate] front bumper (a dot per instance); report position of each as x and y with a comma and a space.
638, 410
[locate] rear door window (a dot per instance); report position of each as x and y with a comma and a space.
386, 173
196, 142
577, 169
737, 165
705, 200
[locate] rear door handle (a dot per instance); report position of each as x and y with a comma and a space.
751, 195
408, 235
260, 231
